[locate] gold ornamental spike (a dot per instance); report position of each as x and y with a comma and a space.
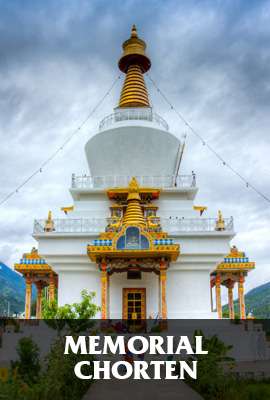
220, 223
49, 224
134, 63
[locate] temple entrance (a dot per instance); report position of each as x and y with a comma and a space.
134, 306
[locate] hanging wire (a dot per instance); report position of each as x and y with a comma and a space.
204, 143
64, 144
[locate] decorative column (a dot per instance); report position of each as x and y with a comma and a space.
212, 283
230, 286
104, 290
218, 296
163, 284
51, 288
39, 286
241, 297
28, 296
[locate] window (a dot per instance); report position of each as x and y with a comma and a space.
132, 240
134, 274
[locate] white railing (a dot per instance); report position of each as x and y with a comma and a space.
72, 225
132, 114
178, 224
96, 225
103, 182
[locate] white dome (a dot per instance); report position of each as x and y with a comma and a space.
139, 149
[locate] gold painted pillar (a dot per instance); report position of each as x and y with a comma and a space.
163, 287
211, 295
230, 286
218, 296
39, 286
28, 296
241, 297
104, 290
51, 288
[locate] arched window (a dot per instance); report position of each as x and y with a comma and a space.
132, 240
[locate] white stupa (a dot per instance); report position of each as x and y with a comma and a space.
133, 235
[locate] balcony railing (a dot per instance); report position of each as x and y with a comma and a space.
103, 182
178, 224
71, 225
96, 225
133, 114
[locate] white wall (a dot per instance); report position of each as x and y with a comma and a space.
71, 284
188, 294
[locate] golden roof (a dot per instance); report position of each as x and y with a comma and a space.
32, 262
236, 261
134, 63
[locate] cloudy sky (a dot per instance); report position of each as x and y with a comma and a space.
211, 59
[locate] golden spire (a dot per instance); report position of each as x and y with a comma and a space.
134, 212
134, 63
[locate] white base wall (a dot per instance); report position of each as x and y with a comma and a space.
188, 294
71, 284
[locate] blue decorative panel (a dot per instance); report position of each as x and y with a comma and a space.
133, 238
120, 245
144, 243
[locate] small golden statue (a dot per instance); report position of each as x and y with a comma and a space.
49, 224
220, 224
153, 223
114, 225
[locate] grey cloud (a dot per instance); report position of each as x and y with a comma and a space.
211, 59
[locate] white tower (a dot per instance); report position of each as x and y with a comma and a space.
134, 141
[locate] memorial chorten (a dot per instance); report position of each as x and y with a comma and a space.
133, 234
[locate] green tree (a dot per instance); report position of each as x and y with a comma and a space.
59, 381
212, 381
76, 316
28, 365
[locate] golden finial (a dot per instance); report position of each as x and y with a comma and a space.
236, 253
134, 53
234, 250
134, 31
220, 223
133, 190
133, 185
49, 224
134, 63
34, 251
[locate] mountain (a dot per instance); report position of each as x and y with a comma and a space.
12, 290
257, 302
